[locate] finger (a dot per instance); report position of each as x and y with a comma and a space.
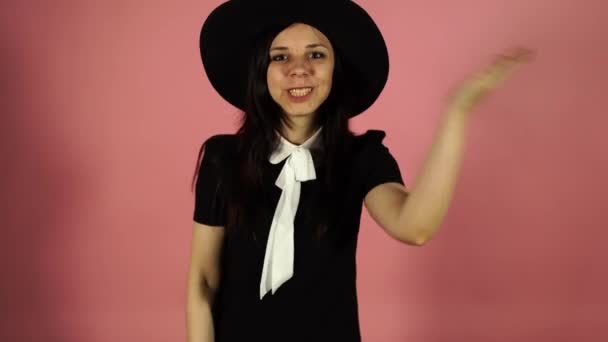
512, 59
522, 54
503, 66
506, 64
499, 69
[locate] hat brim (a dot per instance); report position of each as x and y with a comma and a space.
229, 29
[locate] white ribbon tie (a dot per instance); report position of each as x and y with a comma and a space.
279, 257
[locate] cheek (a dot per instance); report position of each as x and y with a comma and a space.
327, 78
273, 82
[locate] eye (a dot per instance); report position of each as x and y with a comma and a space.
317, 55
278, 58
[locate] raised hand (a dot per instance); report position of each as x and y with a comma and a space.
480, 84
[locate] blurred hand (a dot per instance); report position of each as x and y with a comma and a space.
480, 84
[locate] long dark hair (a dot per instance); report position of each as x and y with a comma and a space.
256, 139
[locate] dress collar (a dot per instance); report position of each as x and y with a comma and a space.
285, 147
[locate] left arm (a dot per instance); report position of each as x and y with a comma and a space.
414, 216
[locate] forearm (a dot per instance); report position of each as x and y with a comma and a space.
198, 314
432, 191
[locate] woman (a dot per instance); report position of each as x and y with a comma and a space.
278, 203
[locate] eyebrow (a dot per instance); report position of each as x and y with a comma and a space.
309, 46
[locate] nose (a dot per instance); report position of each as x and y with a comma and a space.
300, 67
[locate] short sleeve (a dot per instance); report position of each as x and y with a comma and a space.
379, 164
209, 199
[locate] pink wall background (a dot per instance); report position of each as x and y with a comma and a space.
104, 107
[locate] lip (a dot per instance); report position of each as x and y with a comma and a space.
301, 98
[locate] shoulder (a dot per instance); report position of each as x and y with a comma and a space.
219, 146
370, 154
220, 141
374, 164
375, 135
368, 143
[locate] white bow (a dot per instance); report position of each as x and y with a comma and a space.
279, 257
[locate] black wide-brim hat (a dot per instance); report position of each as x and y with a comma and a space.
227, 33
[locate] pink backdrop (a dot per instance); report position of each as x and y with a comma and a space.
105, 105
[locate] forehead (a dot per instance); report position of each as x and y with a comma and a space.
299, 32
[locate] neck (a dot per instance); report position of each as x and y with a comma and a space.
297, 132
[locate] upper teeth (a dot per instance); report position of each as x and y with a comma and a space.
300, 91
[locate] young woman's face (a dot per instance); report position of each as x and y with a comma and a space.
300, 71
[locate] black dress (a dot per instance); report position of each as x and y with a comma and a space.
319, 303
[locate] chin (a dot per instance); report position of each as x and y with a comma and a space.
300, 115
300, 112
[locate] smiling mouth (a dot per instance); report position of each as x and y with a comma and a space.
300, 92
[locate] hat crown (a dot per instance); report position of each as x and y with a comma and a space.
229, 30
